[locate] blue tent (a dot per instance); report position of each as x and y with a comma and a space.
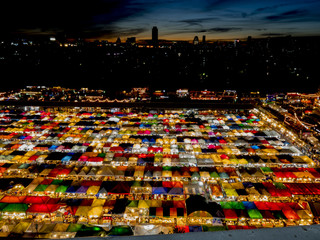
72, 189
249, 205
159, 190
66, 158
53, 147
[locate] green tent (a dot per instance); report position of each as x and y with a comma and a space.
88, 228
74, 227
136, 184
24, 166
120, 231
266, 170
61, 189
213, 228
3, 205
40, 188
214, 175
232, 205
133, 204
279, 185
56, 181
254, 213
166, 168
16, 207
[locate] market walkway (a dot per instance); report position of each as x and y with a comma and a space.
287, 233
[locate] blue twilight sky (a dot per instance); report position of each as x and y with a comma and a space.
175, 19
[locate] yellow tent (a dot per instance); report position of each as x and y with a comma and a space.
61, 227
166, 173
47, 228
98, 202
51, 188
216, 158
231, 192
21, 227
155, 203
82, 211
93, 190
143, 204
307, 160
95, 211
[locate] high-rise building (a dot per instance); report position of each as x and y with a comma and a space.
155, 39
131, 40
203, 39
118, 40
196, 40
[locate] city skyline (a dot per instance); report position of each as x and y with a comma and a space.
176, 20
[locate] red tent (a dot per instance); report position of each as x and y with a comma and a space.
95, 159
36, 199
266, 214
120, 188
33, 158
230, 214
87, 202
116, 149
64, 171
290, 213
47, 181
43, 208
53, 201
262, 205
273, 206
53, 173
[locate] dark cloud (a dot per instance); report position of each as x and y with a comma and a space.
267, 9
223, 30
197, 21
293, 14
272, 34
210, 30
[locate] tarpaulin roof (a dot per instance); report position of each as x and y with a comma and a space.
254, 213
36, 199
16, 207
43, 208
12, 199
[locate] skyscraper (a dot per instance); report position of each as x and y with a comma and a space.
196, 40
155, 36
203, 39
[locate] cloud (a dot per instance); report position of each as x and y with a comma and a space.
267, 9
293, 14
197, 21
224, 29
272, 34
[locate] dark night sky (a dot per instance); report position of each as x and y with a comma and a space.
176, 19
